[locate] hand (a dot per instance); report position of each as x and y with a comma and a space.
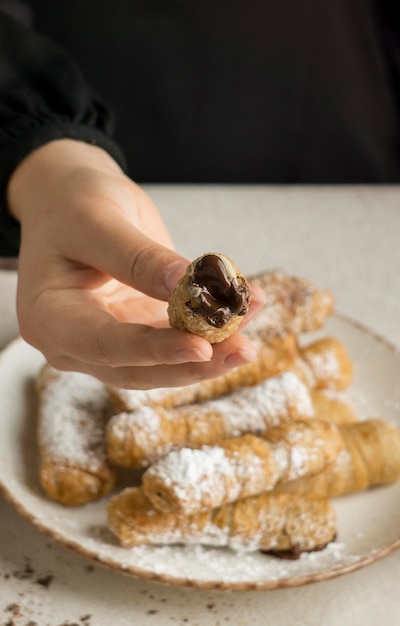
96, 268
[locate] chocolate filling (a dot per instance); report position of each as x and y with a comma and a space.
217, 297
294, 553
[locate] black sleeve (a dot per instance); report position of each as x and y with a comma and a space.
43, 97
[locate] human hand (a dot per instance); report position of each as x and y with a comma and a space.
96, 268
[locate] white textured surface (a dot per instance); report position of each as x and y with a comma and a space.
345, 239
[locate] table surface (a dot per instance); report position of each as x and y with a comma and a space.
342, 238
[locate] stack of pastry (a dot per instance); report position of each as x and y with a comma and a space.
249, 460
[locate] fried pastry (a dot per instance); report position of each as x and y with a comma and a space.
325, 364
370, 457
210, 299
276, 354
191, 480
293, 305
283, 524
331, 407
73, 409
141, 437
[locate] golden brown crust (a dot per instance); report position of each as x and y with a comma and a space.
293, 305
276, 354
73, 409
264, 522
141, 437
332, 408
370, 457
187, 480
326, 364
312, 446
73, 486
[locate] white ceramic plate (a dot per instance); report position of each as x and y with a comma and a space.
368, 523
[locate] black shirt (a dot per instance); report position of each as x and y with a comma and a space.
238, 92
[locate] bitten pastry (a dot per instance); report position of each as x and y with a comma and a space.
188, 481
282, 524
275, 354
370, 457
141, 437
73, 409
210, 299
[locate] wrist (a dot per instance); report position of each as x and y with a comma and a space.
47, 166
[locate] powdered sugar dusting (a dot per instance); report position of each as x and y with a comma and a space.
272, 520
293, 304
194, 478
72, 419
268, 404
143, 424
191, 480
299, 456
223, 565
324, 366
251, 409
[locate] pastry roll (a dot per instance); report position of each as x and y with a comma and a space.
330, 407
141, 437
190, 480
276, 354
370, 457
73, 409
293, 305
210, 299
281, 524
325, 364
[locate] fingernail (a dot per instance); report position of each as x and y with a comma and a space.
174, 274
241, 357
187, 355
